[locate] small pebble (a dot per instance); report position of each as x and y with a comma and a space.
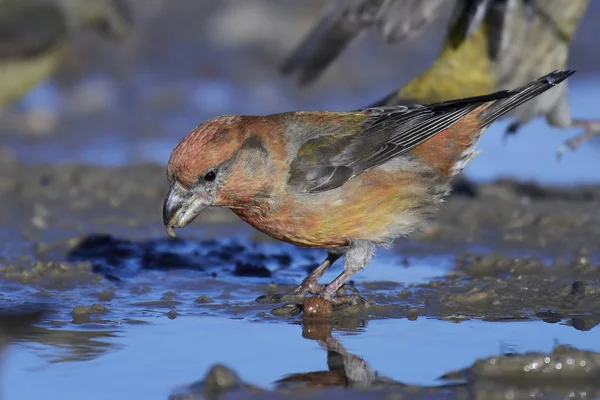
315, 307
106, 295
81, 314
204, 300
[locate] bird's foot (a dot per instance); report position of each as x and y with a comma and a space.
347, 295
296, 299
297, 295
590, 129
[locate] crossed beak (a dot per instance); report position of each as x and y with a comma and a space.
181, 207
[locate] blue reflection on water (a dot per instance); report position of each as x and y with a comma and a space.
177, 352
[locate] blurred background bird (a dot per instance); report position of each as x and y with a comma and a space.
344, 21
490, 45
34, 35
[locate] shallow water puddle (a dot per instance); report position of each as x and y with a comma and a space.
150, 361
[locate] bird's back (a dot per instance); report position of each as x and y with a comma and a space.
372, 175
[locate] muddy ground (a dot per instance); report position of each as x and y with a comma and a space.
88, 244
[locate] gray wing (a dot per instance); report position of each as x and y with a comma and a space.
356, 145
328, 161
344, 20
28, 29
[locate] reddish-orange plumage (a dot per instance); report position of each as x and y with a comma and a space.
441, 151
208, 144
342, 181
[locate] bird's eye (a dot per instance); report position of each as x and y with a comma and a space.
210, 176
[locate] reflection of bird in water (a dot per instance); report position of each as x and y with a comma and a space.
515, 42
346, 370
34, 36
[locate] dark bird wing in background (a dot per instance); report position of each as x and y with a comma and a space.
28, 31
397, 21
344, 20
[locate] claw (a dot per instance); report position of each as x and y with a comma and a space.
590, 129
170, 231
343, 291
296, 295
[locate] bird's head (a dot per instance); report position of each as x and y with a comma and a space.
111, 18
218, 163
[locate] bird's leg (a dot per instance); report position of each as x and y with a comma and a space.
340, 299
591, 128
356, 258
309, 284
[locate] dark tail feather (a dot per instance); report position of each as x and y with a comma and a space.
504, 100
518, 96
